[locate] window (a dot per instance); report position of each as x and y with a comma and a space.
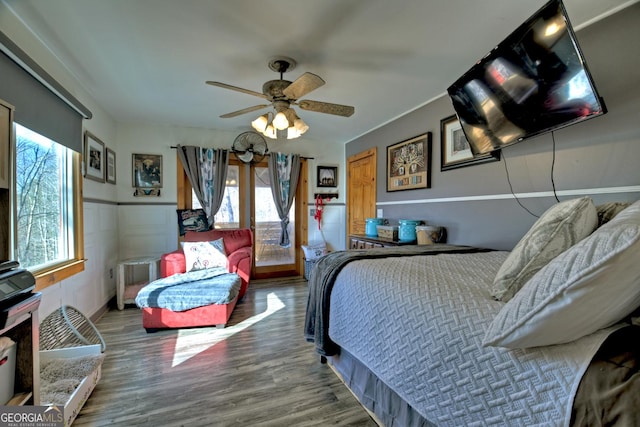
47, 206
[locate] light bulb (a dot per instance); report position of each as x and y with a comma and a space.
280, 121
292, 133
270, 132
300, 126
260, 123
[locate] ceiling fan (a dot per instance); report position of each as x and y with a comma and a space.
283, 94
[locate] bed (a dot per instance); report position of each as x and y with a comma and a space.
435, 336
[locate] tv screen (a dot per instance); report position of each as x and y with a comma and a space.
534, 81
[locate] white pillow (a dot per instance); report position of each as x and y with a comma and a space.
201, 255
559, 228
593, 285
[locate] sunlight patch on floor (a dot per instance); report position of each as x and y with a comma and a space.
191, 342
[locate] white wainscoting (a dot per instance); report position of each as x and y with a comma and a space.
90, 290
333, 230
147, 230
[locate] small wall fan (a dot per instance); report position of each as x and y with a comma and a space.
250, 147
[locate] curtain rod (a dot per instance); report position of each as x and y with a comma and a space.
302, 157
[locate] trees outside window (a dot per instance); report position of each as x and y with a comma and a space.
44, 201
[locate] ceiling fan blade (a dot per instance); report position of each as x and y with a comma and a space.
325, 107
243, 111
302, 86
237, 89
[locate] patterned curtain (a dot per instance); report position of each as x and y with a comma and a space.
206, 169
284, 171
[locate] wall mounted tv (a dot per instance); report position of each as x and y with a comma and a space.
534, 81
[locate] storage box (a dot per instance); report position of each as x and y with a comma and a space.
7, 371
313, 252
83, 391
388, 232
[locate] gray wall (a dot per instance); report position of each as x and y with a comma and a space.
598, 157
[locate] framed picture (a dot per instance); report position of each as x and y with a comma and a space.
409, 164
455, 150
94, 157
327, 176
147, 170
111, 166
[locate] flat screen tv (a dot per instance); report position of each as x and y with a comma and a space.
536, 80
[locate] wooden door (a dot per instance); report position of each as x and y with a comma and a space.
361, 190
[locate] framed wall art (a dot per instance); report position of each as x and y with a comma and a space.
94, 163
327, 176
455, 150
147, 170
409, 164
111, 166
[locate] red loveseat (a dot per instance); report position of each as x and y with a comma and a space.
238, 244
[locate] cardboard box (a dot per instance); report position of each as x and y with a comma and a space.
83, 391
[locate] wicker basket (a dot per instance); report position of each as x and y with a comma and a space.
68, 327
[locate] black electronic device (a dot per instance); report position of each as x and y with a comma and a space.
536, 80
12, 310
7, 264
14, 282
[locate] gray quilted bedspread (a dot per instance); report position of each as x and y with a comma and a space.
418, 322
327, 268
189, 290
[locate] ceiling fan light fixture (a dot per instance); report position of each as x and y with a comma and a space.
260, 124
270, 132
300, 126
280, 121
282, 94
292, 133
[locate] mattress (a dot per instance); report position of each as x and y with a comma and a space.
417, 323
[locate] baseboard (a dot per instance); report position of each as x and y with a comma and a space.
101, 311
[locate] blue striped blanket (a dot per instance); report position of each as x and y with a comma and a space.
189, 290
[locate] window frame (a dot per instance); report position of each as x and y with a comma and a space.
57, 272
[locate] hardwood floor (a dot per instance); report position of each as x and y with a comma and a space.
258, 371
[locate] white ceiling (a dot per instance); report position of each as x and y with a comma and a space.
148, 60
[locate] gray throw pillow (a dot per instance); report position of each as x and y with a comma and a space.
559, 228
607, 211
592, 285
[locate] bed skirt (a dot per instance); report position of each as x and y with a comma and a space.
373, 394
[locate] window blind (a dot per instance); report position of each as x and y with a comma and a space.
41, 103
